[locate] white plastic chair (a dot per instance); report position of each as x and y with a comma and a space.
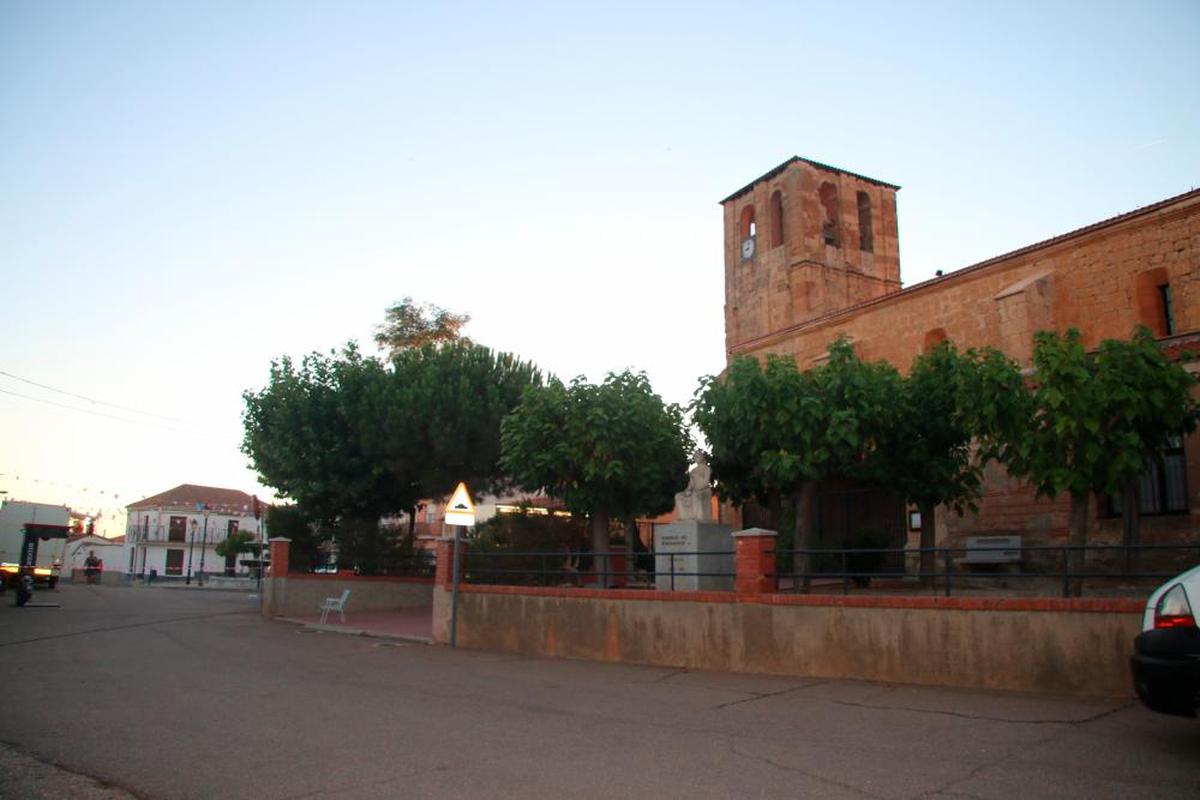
337, 604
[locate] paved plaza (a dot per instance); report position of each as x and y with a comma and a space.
160, 693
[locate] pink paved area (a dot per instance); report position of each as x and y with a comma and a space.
412, 623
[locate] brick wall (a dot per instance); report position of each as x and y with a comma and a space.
1087, 280
1102, 279
1073, 646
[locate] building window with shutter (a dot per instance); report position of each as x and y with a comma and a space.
1164, 294
1162, 487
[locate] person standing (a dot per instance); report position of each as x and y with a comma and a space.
91, 567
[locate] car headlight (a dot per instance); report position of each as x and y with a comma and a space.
1174, 610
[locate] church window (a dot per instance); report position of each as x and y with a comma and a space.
829, 202
1155, 303
1162, 486
776, 215
749, 228
933, 338
866, 238
1164, 294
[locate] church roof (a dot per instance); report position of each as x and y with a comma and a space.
810, 162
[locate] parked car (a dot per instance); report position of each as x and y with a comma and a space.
1166, 658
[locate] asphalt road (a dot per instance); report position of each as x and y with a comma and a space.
169, 693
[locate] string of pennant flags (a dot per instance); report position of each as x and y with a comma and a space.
108, 508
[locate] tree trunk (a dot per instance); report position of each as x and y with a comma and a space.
928, 542
634, 546
1078, 524
412, 527
1131, 524
805, 506
600, 559
775, 515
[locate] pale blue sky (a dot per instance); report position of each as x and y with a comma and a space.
190, 189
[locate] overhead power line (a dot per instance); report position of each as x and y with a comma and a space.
85, 397
146, 422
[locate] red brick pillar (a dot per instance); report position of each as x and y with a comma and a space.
281, 553
444, 577
754, 563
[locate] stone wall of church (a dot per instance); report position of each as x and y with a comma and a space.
1104, 280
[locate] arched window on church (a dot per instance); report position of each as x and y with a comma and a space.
775, 210
866, 239
933, 338
1155, 305
829, 202
748, 227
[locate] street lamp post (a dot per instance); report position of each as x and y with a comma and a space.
191, 549
262, 541
204, 544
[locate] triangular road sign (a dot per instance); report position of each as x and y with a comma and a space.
460, 510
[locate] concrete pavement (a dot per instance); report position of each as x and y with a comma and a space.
169, 694
406, 624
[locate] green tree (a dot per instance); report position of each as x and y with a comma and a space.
365, 546
1151, 401
929, 455
408, 324
235, 544
293, 522
763, 426
348, 436
611, 450
1085, 422
775, 431
306, 435
443, 413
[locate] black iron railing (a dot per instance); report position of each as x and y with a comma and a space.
1045, 569
417, 565
665, 571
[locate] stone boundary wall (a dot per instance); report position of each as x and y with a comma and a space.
1074, 646
296, 594
302, 595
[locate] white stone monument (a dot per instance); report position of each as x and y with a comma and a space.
695, 502
694, 553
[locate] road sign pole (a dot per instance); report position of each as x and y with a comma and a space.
454, 590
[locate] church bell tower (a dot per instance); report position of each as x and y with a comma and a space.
803, 241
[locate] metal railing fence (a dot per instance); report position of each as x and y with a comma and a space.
645, 570
1068, 568
414, 565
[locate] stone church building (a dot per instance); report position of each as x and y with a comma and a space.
812, 253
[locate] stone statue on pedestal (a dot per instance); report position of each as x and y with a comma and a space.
695, 502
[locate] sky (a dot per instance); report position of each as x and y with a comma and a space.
189, 190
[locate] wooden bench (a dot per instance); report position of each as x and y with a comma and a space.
987, 550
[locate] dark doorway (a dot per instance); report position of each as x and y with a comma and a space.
856, 517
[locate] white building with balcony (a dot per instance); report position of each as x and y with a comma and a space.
175, 534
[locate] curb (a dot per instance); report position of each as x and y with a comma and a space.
348, 631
